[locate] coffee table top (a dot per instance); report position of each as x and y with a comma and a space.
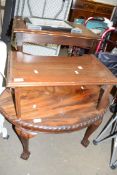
26, 70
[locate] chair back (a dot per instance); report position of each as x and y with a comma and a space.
55, 9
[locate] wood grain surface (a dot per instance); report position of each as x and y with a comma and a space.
54, 94
28, 70
54, 108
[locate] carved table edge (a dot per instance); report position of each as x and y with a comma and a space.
51, 129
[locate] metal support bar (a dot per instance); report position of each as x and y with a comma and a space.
112, 127
101, 137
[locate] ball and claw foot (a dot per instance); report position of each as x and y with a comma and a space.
25, 155
85, 143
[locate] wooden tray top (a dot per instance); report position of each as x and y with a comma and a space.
26, 70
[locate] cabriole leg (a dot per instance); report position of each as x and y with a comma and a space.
85, 142
24, 136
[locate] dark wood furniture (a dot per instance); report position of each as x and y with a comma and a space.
87, 39
54, 94
88, 8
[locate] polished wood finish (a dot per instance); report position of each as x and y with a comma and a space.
27, 70
87, 39
73, 115
88, 8
61, 112
54, 94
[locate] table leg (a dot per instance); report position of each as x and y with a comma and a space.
24, 138
85, 142
24, 135
17, 102
92, 49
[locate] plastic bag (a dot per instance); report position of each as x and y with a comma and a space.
114, 51
109, 60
